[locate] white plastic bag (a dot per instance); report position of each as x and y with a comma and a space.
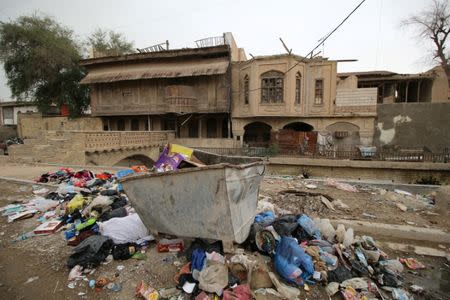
124, 230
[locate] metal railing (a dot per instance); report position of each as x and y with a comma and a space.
211, 41
348, 152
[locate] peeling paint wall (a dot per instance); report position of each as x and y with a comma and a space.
413, 125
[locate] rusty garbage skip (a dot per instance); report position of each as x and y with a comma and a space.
217, 201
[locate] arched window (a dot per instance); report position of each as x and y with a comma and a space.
272, 84
246, 89
298, 88
318, 92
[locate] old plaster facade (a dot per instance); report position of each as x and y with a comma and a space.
277, 92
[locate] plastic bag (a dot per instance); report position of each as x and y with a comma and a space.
99, 201
285, 225
77, 202
348, 237
42, 204
264, 205
340, 233
124, 230
286, 291
291, 261
214, 277
266, 218
326, 229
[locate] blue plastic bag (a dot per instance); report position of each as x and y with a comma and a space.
265, 218
308, 225
291, 261
123, 173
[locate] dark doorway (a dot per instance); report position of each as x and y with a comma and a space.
257, 134
211, 128
299, 126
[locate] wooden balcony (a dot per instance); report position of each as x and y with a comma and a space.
180, 99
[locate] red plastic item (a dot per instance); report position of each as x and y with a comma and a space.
64, 109
166, 245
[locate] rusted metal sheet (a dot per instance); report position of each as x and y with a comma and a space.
295, 141
215, 202
156, 70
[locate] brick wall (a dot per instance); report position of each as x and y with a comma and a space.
356, 97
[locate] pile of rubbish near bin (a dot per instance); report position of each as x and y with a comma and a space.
279, 257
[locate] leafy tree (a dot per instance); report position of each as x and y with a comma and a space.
108, 42
433, 24
40, 59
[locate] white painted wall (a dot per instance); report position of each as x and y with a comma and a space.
23, 109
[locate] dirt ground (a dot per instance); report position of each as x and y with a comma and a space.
42, 259
366, 204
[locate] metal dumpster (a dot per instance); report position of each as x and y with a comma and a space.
217, 201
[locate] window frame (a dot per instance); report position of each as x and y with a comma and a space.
322, 92
270, 86
246, 89
298, 89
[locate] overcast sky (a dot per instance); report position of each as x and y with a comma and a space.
372, 35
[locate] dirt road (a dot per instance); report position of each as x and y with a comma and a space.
35, 268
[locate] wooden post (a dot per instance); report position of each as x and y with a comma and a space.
418, 90
406, 93
200, 128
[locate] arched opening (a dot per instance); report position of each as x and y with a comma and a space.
345, 134
299, 126
134, 160
257, 134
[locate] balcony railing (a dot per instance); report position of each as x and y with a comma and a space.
350, 152
211, 41
111, 140
180, 99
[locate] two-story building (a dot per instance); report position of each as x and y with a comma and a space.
276, 92
186, 90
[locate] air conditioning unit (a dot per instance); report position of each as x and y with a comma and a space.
341, 134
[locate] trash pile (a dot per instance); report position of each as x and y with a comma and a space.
309, 251
93, 213
283, 256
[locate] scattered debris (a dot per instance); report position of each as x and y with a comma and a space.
412, 263
296, 251
31, 279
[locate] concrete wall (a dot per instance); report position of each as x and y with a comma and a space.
356, 97
15, 111
396, 172
440, 89
208, 143
351, 82
325, 124
413, 125
33, 125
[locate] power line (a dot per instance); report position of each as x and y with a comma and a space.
321, 41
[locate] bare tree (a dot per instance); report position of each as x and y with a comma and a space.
434, 23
